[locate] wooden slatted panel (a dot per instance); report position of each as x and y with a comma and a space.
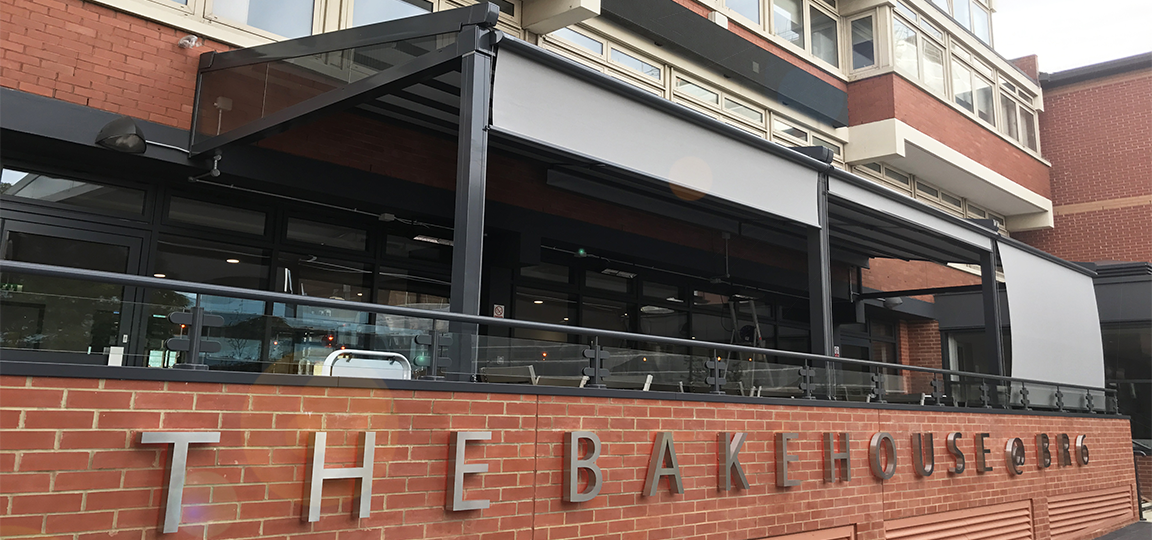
1011, 521
1072, 515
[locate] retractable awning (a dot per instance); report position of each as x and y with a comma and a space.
452, 71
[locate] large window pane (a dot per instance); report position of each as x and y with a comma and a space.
962, 86
985, 98
193, 212
324, 234
750, 9
636, 64
933, 67
398, 287
1008, 115
581, 40
745, 111
39, 187
824, 40
981, 25
288, 18
863, 44
1028, 129
905, 40
697, 91
374, 11
788, 20
309, 275
960, 11
189, 259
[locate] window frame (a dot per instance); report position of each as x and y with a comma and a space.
319, 7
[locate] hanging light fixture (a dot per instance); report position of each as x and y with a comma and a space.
122, 135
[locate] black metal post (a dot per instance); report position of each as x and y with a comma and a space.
992, 323
820, 275
471, 180
195, 329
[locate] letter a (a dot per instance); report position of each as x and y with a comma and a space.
656, 469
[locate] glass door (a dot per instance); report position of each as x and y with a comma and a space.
54, 319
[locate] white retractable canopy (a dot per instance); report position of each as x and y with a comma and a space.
540, 103
1054, 320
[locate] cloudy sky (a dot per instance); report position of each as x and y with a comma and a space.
1068, 34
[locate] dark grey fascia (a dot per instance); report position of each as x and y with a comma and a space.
676, 27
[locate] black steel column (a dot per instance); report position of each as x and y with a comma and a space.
471, 172
820, 275
991, 292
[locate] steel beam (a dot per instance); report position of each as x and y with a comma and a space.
820, 275
471, 181
991, 292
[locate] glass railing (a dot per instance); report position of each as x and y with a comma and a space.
263, 332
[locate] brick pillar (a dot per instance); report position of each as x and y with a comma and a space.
920, 346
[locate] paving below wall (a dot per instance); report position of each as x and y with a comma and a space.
73, 466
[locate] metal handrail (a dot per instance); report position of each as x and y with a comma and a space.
268, 296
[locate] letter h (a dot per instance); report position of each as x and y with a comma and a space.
319, 473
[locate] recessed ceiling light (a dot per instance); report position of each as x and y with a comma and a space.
232, 261
537, 301
159, 275
359, 294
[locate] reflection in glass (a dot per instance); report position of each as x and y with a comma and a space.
1008, 114
636, 64
750, 9
309, 275
905, 39
325, 234
1028, 134
604, 282
91, 195
933, 67
743, 110
546, 272
421, 247
205, 214
962, 86
606, 314
53, 314
374, 11
788, 20
581, 40
981, 26
985, 98
825, 44
397, 287
190, 259
961, 12
863, 46
697, 91
787, 129
547, 307
286, 18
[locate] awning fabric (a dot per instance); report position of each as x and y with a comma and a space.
563, 110
1054, 320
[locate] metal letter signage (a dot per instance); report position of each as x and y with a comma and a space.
656, 469
1062, 450
783, 458
318, 473
1081, 449
1043, 454
923, 469
1014, 454
178, 462
950, 442
457, 468
729, 445
982, 465
832, 457
573, 464
875, 447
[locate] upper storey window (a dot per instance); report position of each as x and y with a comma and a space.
973, 15
374, 11
285, 18
811, 25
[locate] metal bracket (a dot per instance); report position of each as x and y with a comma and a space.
716, 379
985, 398
1024, 402
435, 342
878, 387
937, 392
1059, 399
806, 375
1088, 402
196, 321
596, 357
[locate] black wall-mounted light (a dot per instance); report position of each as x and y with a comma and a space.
122, 135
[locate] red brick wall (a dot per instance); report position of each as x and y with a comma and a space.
87, 54
1144, 469
896, 275
1030, 65
73, 466
920, 346
1098, 135
891, 96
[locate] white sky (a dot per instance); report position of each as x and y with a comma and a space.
1068, 34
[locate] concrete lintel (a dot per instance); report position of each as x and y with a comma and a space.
545, 16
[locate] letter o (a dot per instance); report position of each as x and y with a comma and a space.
875, 447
